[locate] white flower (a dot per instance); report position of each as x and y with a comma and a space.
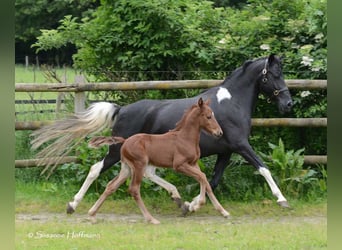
305, 93
222, 41
306, 61
319, 36
265, 47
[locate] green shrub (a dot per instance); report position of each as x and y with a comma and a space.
289, 172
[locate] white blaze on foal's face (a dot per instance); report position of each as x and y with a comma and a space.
222, 94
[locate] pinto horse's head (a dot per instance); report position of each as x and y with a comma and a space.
272, 84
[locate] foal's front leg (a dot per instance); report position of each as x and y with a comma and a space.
195, 172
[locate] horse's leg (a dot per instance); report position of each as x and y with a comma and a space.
150, 173
94, 172
248, 153
214, 200
195, 172
134, 190
111, 158
220, 165
112, 186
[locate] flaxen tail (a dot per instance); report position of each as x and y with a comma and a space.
99, 141
68, 133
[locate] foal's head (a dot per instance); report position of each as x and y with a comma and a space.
207, 119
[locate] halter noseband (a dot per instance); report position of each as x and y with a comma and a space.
264, 80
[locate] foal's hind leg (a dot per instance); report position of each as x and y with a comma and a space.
112, 186
150, 173
134, 190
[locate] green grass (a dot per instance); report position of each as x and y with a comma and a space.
254, 225
179, 233
33, 75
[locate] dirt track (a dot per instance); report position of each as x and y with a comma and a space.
137, 218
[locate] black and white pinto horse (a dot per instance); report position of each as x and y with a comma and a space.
233, 103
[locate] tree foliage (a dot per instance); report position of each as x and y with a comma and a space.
173, 36
31, 16
179, 35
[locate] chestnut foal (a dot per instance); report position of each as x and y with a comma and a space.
178, 148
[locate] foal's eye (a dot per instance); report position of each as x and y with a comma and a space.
209, 117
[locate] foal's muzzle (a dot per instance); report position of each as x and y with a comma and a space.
218, 133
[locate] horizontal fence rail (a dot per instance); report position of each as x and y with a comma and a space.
80, 86
146, 85
35, 162
257, 122
308, 159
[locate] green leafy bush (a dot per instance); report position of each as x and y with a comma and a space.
289, 172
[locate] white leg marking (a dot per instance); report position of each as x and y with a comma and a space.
150, 173
194, 205
92, 175
275, 190
222, 94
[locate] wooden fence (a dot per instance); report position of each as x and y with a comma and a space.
79, 87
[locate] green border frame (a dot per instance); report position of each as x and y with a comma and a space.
7, 112
7, 232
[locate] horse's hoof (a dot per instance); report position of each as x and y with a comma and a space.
226, 215
154, 221
178, 202
70, 209
284, 204
93, 219
185, 208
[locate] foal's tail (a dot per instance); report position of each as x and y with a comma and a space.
99, 141
68, 133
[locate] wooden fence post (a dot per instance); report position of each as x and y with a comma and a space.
60, 96
26, 62
80, 97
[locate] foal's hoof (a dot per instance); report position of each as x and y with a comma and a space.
185, 208
154, 221
70, 209
226, 215
92, 219
284, 204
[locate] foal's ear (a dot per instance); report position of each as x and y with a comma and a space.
200, 102
208, 102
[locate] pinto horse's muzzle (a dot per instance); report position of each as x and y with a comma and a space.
284, 100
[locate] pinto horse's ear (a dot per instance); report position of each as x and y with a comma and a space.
245, 64
207, 102
271, 59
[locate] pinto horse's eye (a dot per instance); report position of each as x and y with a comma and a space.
209, 117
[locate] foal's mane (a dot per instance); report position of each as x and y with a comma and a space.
182, 121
